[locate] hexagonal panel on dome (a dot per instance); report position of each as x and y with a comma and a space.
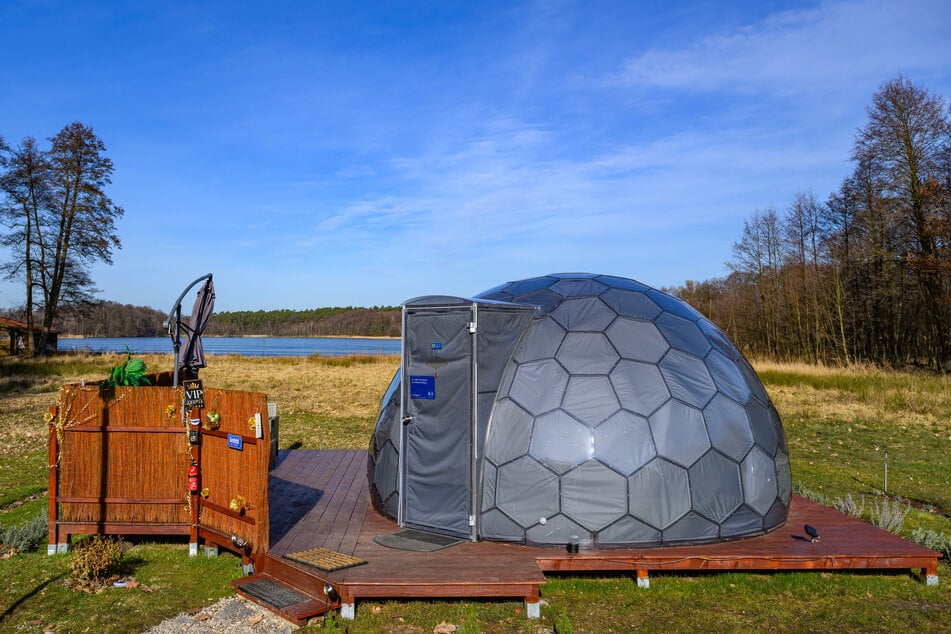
637, 340
584, 313
743, 522
639, 386
631, 304
511, 429
541, 341
673, 305
683, 334
690, 529
726, 374
687, 378
544, 299
526, 491
728, 426
778, 427
659, 493
715, 486
761, 422
590, 399
593, 495
752, 380
629, 530
622, 282
719, 339
538, 386
386, 469
783, 476
497, 525
624, 442
759, 480
679, 433
489, 475
587, 353
522, 287
776, 516
561, 441
557, 530
573, 287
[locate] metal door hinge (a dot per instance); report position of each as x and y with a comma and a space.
472, 327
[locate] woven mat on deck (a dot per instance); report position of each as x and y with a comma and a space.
417, 541
272, 594
326, 560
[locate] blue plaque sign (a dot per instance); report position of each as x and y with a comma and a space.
437, 345
422, 387
235, 442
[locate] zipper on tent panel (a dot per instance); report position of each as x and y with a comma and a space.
404, 399
473, 422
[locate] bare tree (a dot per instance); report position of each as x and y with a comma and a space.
24, 182
904, 144
757, 257
60, 217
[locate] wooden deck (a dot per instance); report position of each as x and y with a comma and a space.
320, 499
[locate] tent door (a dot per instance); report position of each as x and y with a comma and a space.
436, 490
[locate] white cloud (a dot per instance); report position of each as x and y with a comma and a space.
804, 50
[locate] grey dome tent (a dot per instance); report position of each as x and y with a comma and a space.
576, 408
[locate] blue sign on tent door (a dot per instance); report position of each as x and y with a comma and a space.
422, 387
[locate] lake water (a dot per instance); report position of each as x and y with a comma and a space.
245, 346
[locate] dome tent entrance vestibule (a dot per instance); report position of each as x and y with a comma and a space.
600, 411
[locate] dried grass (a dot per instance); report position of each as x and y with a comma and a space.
323, 402
858, 393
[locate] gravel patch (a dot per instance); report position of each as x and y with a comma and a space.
232, 615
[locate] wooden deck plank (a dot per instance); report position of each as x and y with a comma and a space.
333, 483
337, 504
353, 497
314, 477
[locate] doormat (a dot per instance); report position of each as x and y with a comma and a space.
272, 593
417, 541
326, 560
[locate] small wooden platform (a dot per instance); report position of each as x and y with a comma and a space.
320, 499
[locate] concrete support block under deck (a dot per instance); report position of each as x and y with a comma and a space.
643, 581
348, 611
533, 610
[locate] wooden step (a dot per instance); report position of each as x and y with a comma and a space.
291, 604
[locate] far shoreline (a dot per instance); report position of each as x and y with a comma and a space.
64, 336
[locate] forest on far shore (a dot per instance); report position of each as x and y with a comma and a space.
111, 319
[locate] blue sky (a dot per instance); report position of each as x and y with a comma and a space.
335, 153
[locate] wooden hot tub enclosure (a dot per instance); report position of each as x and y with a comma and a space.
119, 461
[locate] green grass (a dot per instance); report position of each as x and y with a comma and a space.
838, 424
22, 476
35, 598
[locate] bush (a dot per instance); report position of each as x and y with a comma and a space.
94, 561
889, 516
938, 542
849, 506
26, 536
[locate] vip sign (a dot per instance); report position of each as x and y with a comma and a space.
194, 394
